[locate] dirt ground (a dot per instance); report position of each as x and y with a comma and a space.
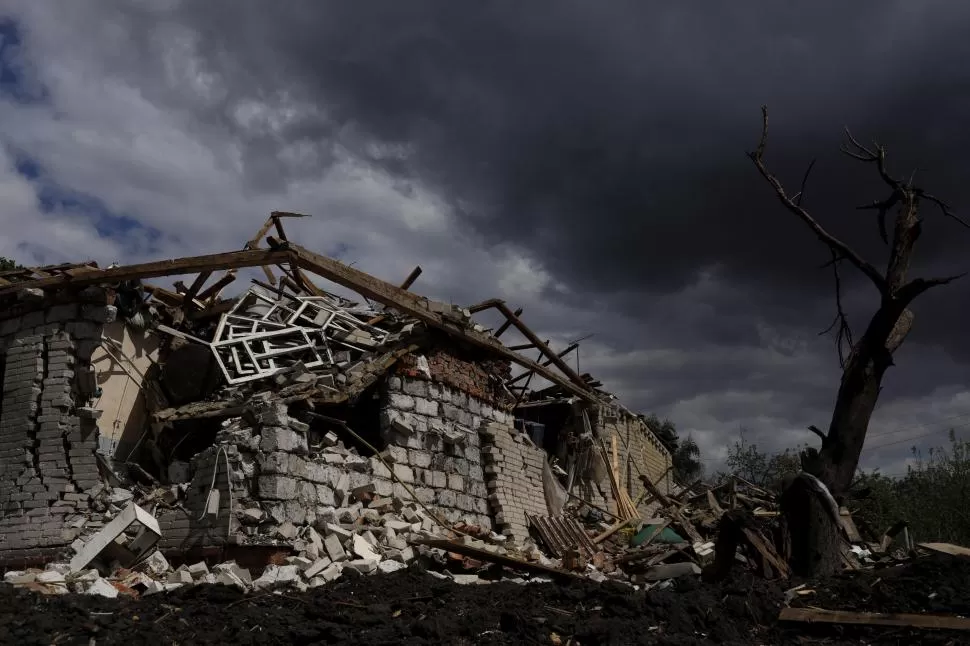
412, 607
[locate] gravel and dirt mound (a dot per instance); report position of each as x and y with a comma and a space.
412, 607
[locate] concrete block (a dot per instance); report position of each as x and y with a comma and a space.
397, 454
364, 566
400, 401
418, 458
403, 473
334, 548
427, 407
446, 498
277, 438
325, 495
456, 482
277, 487
415, 387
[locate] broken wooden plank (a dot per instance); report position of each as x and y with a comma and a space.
491, 557
946, 548
817, 615
505, 326
191, 265
848, 526
215, 288
569, 348
614, 528
766, 551
531, 336
714, 505
413, 276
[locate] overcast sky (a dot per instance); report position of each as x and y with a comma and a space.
582, 160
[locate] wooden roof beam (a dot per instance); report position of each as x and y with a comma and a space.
417, 307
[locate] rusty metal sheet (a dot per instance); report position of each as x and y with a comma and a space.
562, 533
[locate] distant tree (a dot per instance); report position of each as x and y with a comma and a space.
931, 497
6, 264
745, 460
684, 453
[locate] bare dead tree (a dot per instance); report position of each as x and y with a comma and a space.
864, 360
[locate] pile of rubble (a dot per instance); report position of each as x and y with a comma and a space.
372, 535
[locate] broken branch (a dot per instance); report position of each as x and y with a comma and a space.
831, 241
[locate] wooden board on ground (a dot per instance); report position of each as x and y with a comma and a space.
946, 548
814, 615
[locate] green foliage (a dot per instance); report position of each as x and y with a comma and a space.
684, 453
6, 264
932, 497
747, 461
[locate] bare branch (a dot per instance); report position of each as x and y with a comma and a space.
917, 286
818, 431
944, 207
831, 241
800, 196
883, 208
877, 156
843, 336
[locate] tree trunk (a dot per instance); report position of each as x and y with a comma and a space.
858, 394
813, 530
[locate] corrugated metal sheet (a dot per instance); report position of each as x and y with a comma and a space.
561, 533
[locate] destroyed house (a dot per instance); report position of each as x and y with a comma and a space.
238, 421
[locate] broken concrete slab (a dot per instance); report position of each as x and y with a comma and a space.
364, 549
143, 542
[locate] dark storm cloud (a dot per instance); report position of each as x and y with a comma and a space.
609, 138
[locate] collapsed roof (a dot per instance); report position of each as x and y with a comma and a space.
288, 323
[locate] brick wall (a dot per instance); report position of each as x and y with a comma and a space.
48, 469
513, 476
639, 452
431, 430
447, 365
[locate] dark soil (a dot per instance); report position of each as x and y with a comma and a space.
412, 607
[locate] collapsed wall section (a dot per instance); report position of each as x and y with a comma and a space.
513, 473
48, 437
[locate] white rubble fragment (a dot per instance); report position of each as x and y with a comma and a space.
103, 588
50, 576
157, 564
198, 570
181, 575
240, 573
364, 566
332, 572
363, 549
387, 567
300, 562
334, 548
316, 568
467, 579
333, 528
